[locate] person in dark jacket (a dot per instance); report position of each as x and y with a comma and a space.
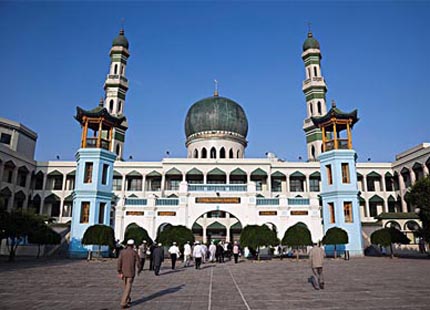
128, 261
151, 256
158, 258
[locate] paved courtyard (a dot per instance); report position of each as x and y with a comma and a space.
363, 283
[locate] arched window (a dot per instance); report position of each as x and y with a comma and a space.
119, 107
122, 70
222, 153
319, 108
238, 154
213, 152
111, 106
204, 153
231, 153
196, 153
118, 149
315, 71
309, 73
115, 70
311, 108
313, 152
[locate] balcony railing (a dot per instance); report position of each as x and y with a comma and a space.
92, 143
267, 201
135, 202
167, 202
217, 188
116, 77
298, 201
342, 144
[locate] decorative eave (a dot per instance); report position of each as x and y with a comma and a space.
100, 112
335, 114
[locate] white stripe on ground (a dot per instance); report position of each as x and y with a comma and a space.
238, 289
210, 289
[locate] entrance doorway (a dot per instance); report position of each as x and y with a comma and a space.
217, 226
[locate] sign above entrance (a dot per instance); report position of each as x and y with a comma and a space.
217, 199
299, 212
135, 213
265, 213
166, 213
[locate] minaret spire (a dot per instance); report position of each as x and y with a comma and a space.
116, 87
314, 88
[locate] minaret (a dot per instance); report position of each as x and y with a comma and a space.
314, 88
116, 86
339, 190
92, 196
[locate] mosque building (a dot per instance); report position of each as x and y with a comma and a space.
215, 190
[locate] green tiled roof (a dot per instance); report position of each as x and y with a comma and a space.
338, 114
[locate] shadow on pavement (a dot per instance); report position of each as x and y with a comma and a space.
170, 272
167, 291
31, 262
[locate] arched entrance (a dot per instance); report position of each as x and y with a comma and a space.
217, 226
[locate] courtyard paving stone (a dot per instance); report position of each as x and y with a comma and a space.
361, 283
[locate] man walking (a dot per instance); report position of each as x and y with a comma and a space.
198, 254
212, 250
187, 254
236, 251
158, 258
143, 248
127, 262
174, 254
316, 257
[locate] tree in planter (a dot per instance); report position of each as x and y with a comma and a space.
296, 236
419, 196
137, 233
99, 235
43, 235
334, 236
179, 234
16, 226
387, 236
255, 236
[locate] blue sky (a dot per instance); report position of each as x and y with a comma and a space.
55, 56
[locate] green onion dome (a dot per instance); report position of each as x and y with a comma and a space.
216, 114
311, 42
120, 40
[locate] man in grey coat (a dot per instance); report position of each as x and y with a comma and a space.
158, 258
128, 261
316, 257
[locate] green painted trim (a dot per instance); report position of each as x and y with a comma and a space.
315, 96
119, 137
317, 136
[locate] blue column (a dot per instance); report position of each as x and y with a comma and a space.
94, 191
339, 193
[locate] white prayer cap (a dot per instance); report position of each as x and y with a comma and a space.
159, 244
130, 242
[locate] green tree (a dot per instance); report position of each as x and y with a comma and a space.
137, 233
99, 235
334, 236
387, 236
256, 236
297, 236
179, 234
43, 235
419, 196
16, 226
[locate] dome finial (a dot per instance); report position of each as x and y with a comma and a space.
121, 31
216, 88
309, 30
101, 102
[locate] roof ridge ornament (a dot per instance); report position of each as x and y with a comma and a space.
333, 103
